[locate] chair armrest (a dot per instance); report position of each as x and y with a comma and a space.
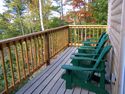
84, 54
78, 68
89, 42
88, 47
83, 58
93, 49
94, 39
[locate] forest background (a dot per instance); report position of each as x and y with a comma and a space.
22, 17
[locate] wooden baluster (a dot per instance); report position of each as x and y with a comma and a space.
23, 63
50, 45
31, 54
75, 36
67, 33
66, 39
102, 30
38, 43
27, 57
57, 37
11, 65
62, 33
79, 37
89, 31
81, 34
98, 32
4, 70
70, 36
60, 39
34, 53
85, 33
17, 62
52, 42
93, 31
106, 29
42, 48
47, 57
55, 42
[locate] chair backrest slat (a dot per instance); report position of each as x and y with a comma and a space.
103, 33
101, 56
101, 44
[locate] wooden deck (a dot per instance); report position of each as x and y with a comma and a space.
49, 80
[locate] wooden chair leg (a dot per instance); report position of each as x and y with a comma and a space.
67, 77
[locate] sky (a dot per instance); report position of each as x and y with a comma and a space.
2, 9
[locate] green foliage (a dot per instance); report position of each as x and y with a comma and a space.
83, 12
55, 22
22, 17
100, 11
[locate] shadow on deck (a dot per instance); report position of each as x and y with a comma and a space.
49, 80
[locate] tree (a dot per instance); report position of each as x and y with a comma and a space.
41, 15
81, 13
100, 8
16, 9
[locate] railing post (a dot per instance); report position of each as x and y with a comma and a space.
68, 30
47, 54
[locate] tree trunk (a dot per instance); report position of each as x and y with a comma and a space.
41, 16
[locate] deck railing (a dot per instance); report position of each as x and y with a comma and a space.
21, 56
79, 33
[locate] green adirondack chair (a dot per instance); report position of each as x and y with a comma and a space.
91, 49
90, 41
80, 76
97, 43
86, 57
95, 51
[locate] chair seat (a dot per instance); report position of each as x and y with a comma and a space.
82, 75
79, 75
83, 63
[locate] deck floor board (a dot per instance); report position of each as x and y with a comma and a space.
49, 80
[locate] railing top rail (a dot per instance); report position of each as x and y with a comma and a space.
88, 25
19, 38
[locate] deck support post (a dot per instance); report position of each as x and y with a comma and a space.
47, 55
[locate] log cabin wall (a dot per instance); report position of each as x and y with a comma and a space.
115, 30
